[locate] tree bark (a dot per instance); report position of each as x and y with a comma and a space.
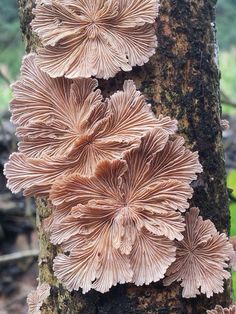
181, 80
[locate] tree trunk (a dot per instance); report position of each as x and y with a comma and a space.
181, 80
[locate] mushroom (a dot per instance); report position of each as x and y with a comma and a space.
233, 256
94, 38
200, 258
65, 127
36, 298
120, 223
220, 310
225, 125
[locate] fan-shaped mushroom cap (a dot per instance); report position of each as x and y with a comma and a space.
65, 127
220, 310
95, 37
36, 298
200, 258
126, 215
232, 240
156, 162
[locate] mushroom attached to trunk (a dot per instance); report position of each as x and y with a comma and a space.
65, 127
96, 37
220, 310
36, 298
200, 258
122, 221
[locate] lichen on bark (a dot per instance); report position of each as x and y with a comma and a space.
181, 80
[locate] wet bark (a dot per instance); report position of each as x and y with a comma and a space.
181, 80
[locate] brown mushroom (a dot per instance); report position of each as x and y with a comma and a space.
123, 220
200, 258
64, 127
36, 298
95, 37
233, 256
220, 310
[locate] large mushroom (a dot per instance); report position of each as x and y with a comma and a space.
65, 127
119, 225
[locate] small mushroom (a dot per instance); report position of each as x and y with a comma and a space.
225, 125
220, 310
36, 298
65, 127
233, 256
201, 258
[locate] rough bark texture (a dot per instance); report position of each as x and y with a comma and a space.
181, 80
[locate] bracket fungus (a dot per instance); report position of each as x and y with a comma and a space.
123, 220
94, 38
233, 256
36, 298
200, 258
220, 310
65, 127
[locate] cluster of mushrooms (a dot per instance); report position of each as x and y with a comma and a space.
118, 178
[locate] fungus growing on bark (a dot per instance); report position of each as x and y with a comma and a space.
64, 127
95, 37
123, 220
200, 258
233, 256
220, 310
225, 125
36, 298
